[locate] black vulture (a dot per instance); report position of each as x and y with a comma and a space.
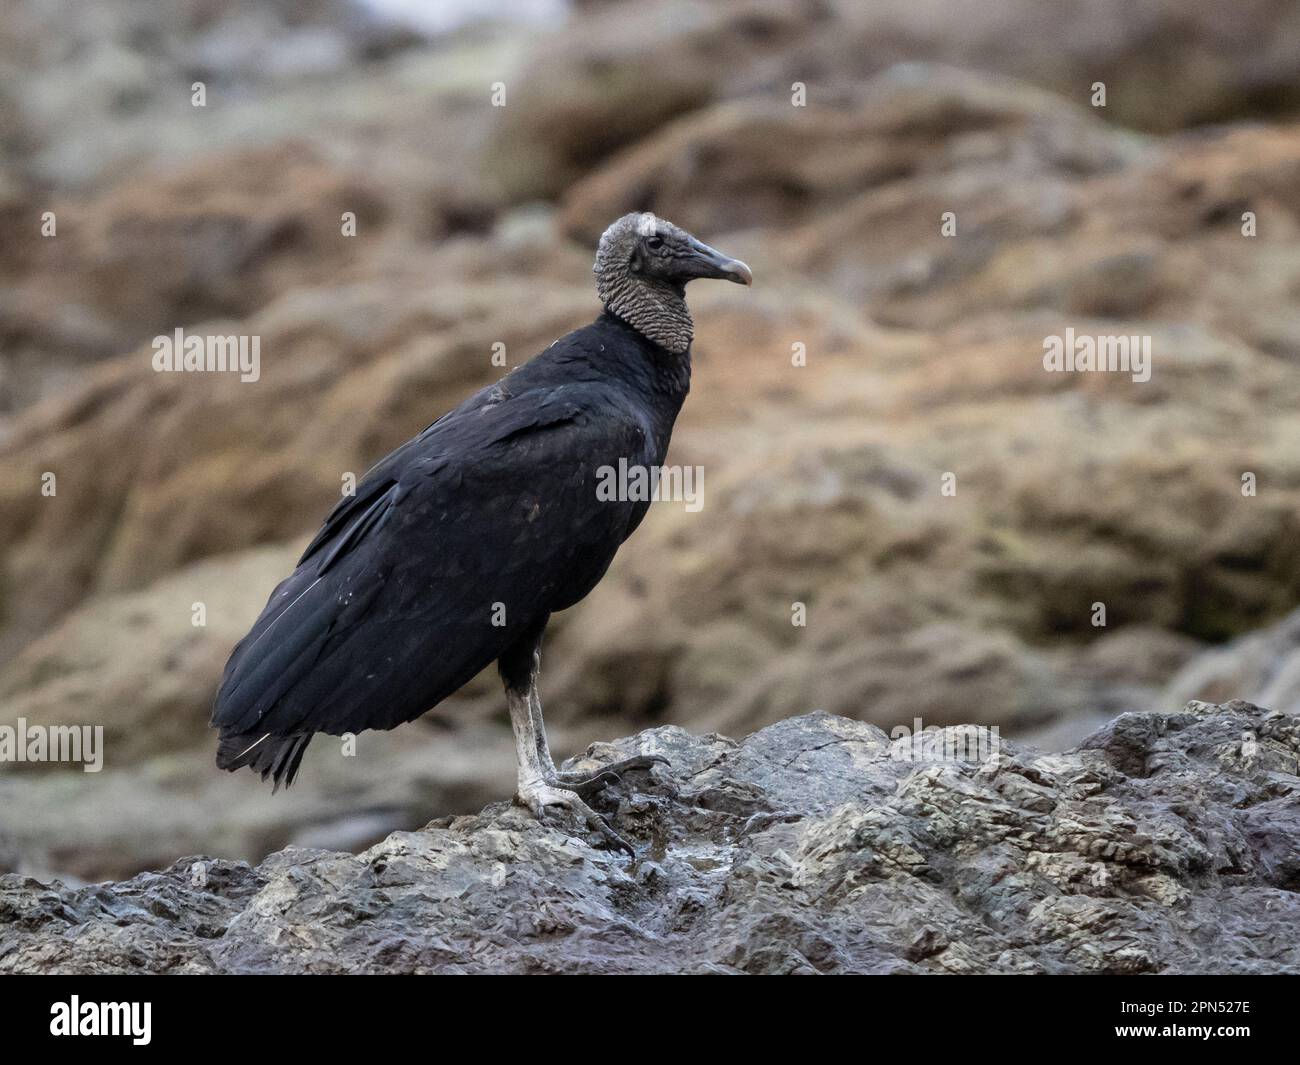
457, 547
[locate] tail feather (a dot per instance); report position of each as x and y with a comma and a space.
277, 757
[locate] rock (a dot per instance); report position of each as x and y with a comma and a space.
1166, 65
86, 827
217, 238
103, 93
716, 170
624, 70
1166, 843
1262, 664
142, 665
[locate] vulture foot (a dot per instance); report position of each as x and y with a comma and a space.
538, 797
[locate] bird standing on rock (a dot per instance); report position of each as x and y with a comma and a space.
458, 546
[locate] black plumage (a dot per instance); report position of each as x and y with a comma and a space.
490, 514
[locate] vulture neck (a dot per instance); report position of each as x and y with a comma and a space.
661, 376
655, 309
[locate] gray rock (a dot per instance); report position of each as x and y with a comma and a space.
1264, 665
1166, 843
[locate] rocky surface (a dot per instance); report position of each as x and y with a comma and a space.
1264, 666
1165, 843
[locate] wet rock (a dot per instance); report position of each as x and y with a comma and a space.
1165, 844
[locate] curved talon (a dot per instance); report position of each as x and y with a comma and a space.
612, 837
642, 761
538, 797
587, 785
610, 774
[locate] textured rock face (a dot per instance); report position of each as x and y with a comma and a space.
1165, 843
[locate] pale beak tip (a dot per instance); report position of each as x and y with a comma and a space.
739, 273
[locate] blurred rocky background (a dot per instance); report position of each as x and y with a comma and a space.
475, 226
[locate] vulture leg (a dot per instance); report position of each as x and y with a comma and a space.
540, 786
581, 783
535, 791
539, 726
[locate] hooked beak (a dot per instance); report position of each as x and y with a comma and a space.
709, 262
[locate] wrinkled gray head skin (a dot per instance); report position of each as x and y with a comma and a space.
642, 266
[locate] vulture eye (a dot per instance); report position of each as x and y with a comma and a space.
655, 242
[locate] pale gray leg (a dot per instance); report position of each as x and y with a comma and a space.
582, 783
539, 786
539, 727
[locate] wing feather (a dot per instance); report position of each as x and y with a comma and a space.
392, 605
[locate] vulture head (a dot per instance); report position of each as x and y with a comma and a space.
642, 266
